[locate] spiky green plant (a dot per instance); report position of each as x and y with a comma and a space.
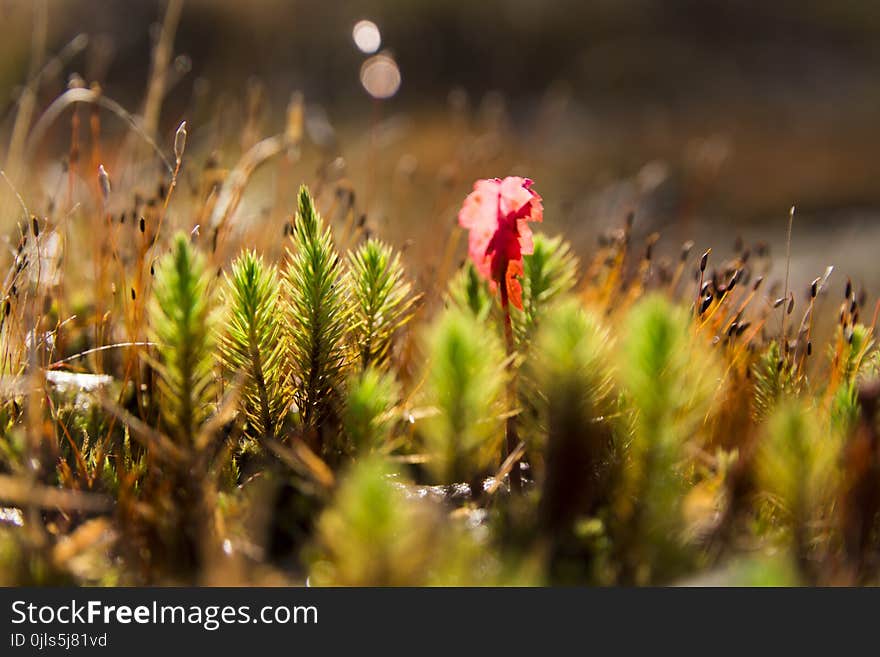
870, 368
367, 535
860, 363
572, 372
181, 492
464, 387
797, 467
376, 534
181, 324
467, 291
253, 342
382, 300
844, 410
369, 409
668, 378
858, 345
549, 272
774, 380
319, 313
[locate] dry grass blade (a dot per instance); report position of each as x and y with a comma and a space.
154, 440
303, 461
512, 459
89, 97
18, 491
238, 178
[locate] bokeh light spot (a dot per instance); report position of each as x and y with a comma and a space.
380, 76
366, 36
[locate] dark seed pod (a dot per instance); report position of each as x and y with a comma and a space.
741, 328
35, 226
733, 280
133, 295
706, 303
790, 304
757, 283
809, 348
704, 260
779, 302
814, 288
7, 308
142, 224
848, 293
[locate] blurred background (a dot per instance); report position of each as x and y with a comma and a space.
707, 118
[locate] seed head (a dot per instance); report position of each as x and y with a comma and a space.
180, 141
104, 182
706, 302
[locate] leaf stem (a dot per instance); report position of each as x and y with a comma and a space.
510, 424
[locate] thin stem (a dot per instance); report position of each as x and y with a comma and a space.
510, 424
783, 338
